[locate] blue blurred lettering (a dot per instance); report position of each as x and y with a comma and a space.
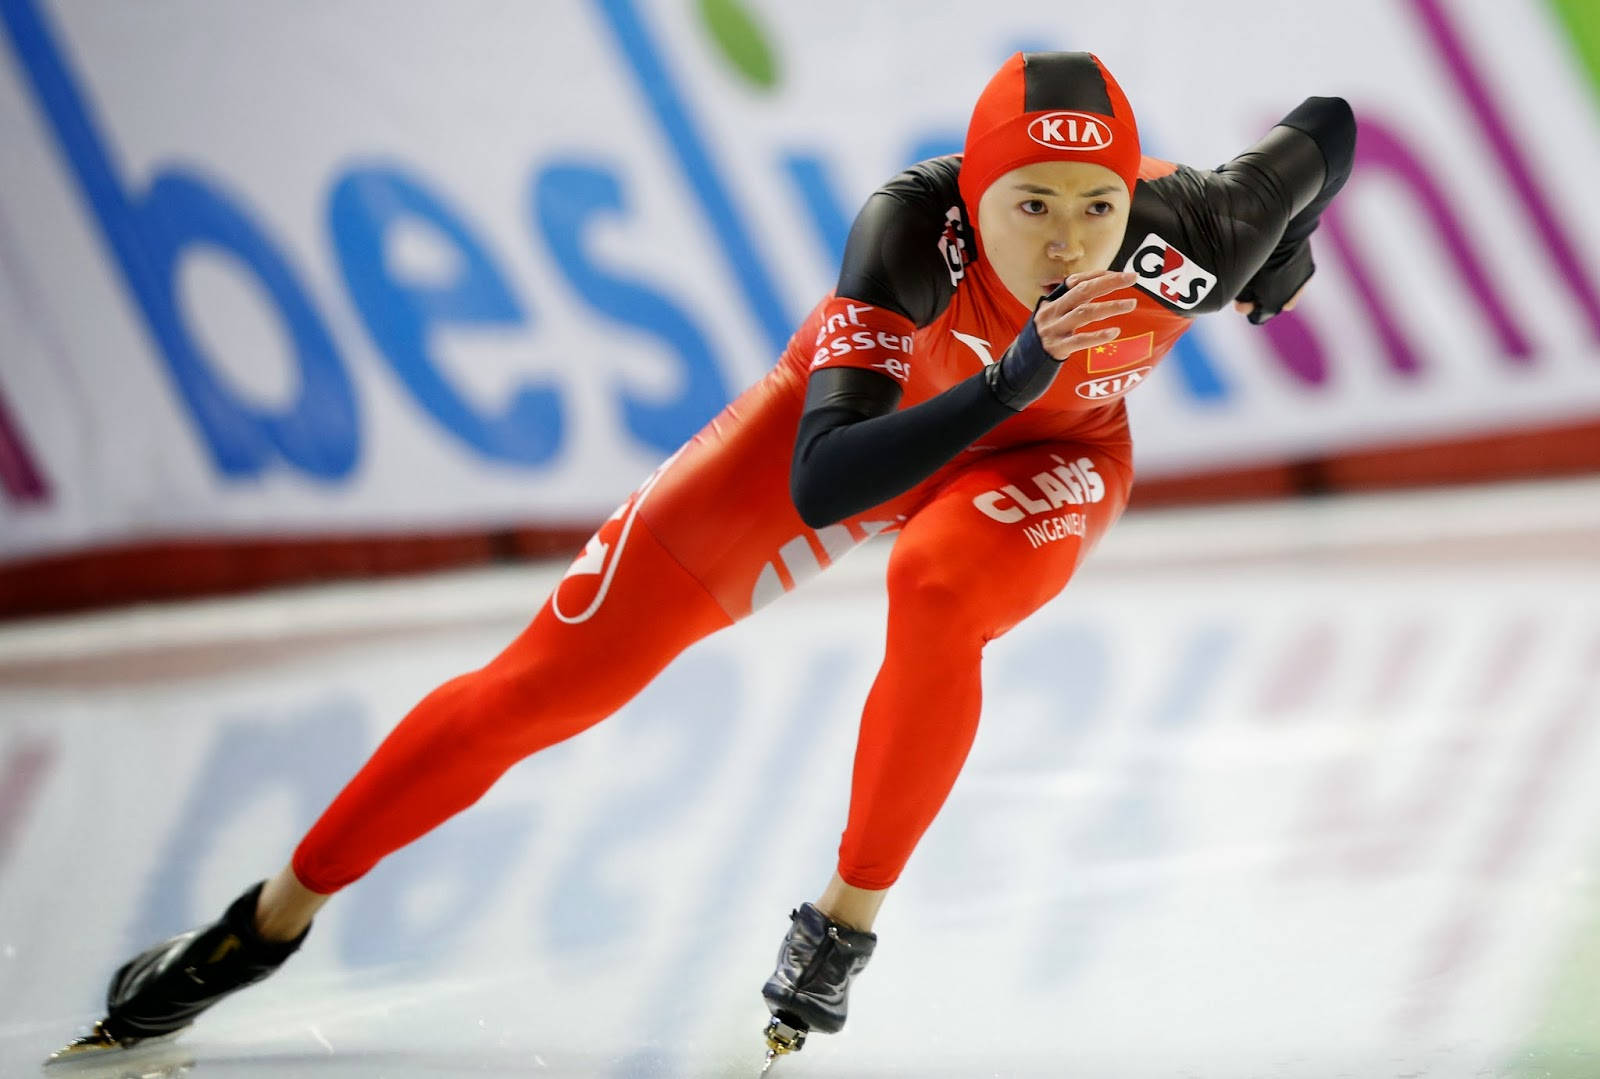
149, 235
681, 133
366, 205
829, 215
566, 199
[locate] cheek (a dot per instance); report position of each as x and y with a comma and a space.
1012, 245
1108, 238
1032, 234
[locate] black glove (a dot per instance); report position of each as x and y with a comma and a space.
1276, 283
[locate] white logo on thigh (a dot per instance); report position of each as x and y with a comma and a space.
1049, 529
599, 558
1070, 483
797, 560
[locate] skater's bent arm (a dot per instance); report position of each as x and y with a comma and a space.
854, 451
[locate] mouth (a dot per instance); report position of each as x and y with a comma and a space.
1049, 285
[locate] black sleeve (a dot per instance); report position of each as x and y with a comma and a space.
854, 451
1329, 127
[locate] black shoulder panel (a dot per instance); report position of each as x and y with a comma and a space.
910, 244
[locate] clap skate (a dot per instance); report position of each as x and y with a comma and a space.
809, 990
157, 994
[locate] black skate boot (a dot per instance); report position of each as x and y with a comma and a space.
809, 990
159, 992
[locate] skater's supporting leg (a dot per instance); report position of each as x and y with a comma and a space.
957, 579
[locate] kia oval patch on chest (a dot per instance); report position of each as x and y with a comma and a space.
1169, 274
1104, 389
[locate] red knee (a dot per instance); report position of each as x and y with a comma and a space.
934, 597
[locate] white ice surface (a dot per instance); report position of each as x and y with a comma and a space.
1298, 791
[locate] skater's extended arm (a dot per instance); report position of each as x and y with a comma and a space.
1249, 221
1300, 165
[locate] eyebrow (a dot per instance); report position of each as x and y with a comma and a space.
1036, 189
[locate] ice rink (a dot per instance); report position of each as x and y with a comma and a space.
1305, 790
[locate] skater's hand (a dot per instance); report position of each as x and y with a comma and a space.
1245, 308
1025, 372
1061, 318
1277, 286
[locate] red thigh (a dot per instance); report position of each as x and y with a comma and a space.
993, 545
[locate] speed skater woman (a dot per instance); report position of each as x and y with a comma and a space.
961, 387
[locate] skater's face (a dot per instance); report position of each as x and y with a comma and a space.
1047, 220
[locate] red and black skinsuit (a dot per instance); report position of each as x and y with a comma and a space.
881, 416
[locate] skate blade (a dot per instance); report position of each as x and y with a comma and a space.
96, 1055
782, 1038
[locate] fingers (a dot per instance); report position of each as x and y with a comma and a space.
1082, 287
1094, 312
1060, 320
1061, 340
1246, 309
1062, 347
1073, 308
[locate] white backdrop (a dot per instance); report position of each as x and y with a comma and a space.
363, 266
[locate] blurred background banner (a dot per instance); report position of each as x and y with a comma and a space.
367, 269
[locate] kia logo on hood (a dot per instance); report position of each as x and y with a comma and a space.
1070, 131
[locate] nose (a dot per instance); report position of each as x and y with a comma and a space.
1066, 247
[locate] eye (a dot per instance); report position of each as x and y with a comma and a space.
1034, 207
1101, 208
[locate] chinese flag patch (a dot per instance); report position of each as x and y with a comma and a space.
1123, 352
